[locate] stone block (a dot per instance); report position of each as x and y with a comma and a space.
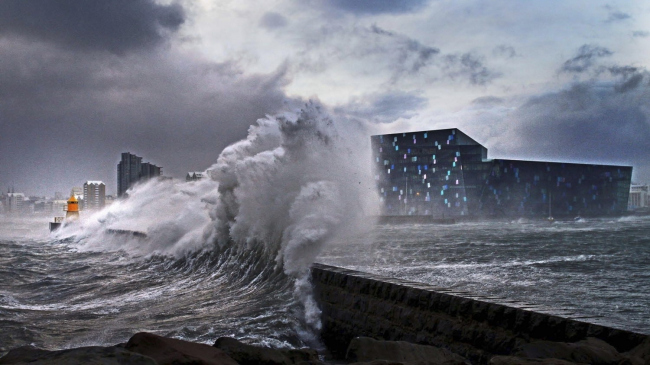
434, 302
412, 298
360, 304
495, 315
522, 321
424, 299
383, 291
465, 308
406, 316
398, 293
598, 331
573, 331
445, 328
556, 329
537, 326
431, 324
508, 318
479, 310
443, 303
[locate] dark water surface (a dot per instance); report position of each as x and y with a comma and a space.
55, 295
595, 267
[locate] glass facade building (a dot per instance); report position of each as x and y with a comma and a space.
445, 173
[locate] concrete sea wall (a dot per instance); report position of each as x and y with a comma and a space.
355, 304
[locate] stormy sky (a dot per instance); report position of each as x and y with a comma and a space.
177, 81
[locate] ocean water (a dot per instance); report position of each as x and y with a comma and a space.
55, 295
596, 268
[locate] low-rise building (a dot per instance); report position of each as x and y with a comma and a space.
639, 198
194, 176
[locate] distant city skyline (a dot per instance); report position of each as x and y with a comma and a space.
86, 81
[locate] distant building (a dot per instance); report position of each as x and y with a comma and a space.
78, 192
131, 169
14, 202
445, 173
148, 171
59, 206
194, 176
94, 195
639, 197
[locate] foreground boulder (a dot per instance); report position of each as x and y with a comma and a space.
252, 355
590, 351
168, 351
368, 350
513, 360
82, 355
640, 355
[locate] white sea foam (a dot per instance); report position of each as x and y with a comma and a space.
297, 180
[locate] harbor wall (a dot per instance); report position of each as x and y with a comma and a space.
356, 304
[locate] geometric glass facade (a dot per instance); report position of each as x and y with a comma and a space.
445, 173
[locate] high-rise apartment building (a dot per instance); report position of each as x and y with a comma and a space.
148, 170
94, 195
445, 173
14, 202
131, 169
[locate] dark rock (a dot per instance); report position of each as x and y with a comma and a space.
365, 349
590, 351
172, 351
378, 362
640, 355
252, 355
513, 360
82, 355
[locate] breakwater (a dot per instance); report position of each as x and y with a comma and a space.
355, 304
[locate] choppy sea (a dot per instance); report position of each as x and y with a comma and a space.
53, 294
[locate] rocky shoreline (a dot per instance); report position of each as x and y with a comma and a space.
150, 349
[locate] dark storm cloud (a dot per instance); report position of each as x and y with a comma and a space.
468, 65
488, 100
412, 55
272, 20
408, 58
364, 7
595, 121
641, 34
629, 77
67, 118
616, 16
587, 55
504, 51
384, 107
117, 26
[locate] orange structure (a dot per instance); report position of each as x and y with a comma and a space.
72, 212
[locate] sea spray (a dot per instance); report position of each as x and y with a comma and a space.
270, 204
295, 181
173, 215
